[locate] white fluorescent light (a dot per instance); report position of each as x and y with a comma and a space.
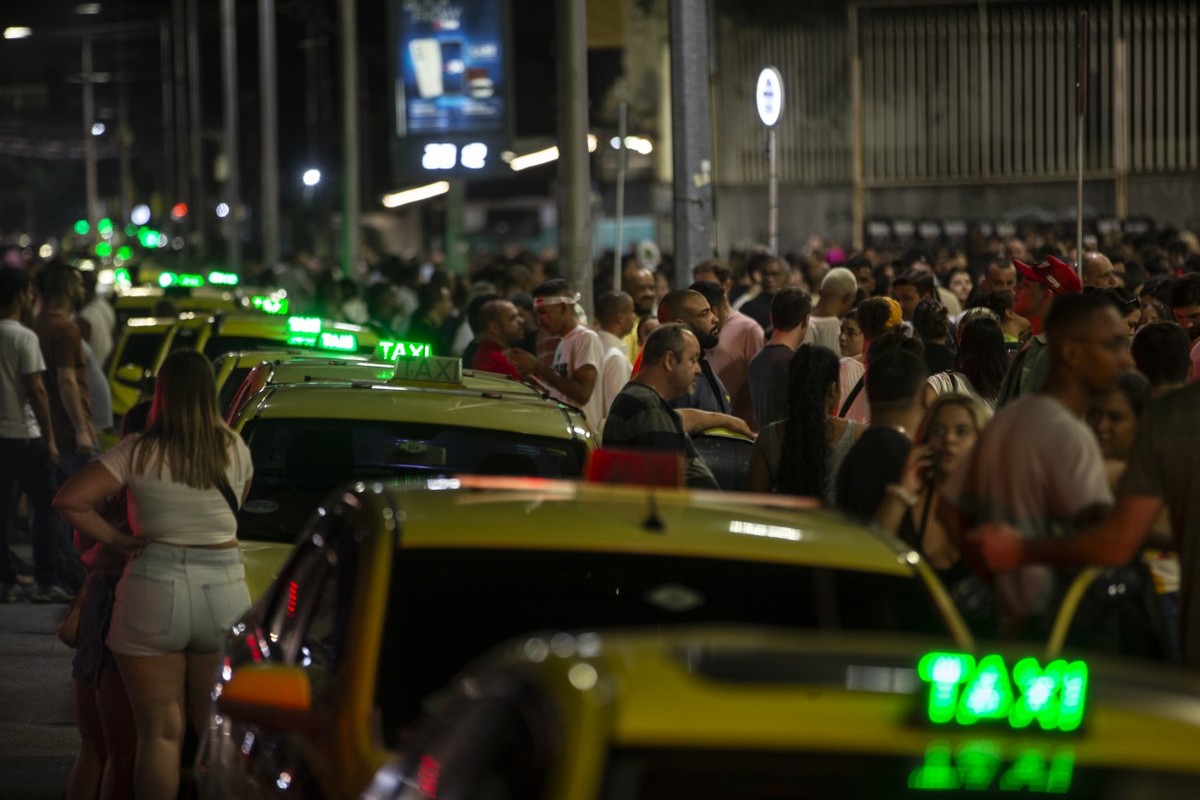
416, 194
19, 32
539, 157
535, 159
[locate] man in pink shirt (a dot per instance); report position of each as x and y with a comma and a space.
740, 340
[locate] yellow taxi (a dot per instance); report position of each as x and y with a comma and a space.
145, 342
394, 588
143, 301
291, 365
140, 350
763, 714
430, 419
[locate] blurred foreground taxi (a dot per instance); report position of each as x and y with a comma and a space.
763, 715
431, 419
394, 589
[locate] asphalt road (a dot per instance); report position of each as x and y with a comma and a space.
38, 740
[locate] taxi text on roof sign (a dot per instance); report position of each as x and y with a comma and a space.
965, 692
430, 368
390, 351
306, 332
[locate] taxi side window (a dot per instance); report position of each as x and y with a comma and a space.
308, 615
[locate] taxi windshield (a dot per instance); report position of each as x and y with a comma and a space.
489, 595
297, 462
1041, 769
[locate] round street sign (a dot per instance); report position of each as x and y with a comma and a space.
768, 96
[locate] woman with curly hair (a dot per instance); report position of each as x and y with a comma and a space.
801, 454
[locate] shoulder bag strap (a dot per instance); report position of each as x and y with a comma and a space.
850, 398
229, 496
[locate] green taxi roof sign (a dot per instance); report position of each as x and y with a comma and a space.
966, 692
309, 332
390, 350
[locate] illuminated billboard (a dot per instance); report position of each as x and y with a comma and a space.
451, 69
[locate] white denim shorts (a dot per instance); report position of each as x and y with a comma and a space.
171, 599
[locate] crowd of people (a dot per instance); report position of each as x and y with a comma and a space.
995, 408
979, 409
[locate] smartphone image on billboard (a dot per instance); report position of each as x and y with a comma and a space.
452, 67
426, 55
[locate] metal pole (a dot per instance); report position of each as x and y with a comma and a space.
1081, 44
269, 107
350, 175
857, 136
619, 221
197, 219
183, 184
1120, 115
233, 222
691, 137
772, 194
164, 56
575, 239
89, 141
125, 143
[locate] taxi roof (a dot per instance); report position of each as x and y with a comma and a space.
482, 401
838, 692
465, 512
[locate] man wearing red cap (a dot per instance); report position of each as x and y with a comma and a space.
1035, 297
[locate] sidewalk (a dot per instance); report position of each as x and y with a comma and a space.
38, 740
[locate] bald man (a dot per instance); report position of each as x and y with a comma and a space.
1098, 271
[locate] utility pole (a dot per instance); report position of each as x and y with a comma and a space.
89, 140
233, 194
575, 231
350, 176
269, 107
691, 136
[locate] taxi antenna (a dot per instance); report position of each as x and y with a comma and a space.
653, 522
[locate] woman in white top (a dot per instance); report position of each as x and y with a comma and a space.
184, 584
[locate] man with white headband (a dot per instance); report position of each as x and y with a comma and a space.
578, 357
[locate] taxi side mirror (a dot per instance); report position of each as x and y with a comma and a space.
274, 697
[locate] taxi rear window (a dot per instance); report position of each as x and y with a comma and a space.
485, 596
141, 349
1040, 769
297, 462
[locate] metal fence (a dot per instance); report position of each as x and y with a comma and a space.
966, 92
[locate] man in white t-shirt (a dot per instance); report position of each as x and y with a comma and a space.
616, 317
838, 290
1037, 466
27, 447
574, 376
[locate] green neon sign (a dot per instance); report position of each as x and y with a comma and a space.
103, 249
105, 227
304, 325
82, 228
167, 279
122, 276
191, 281
967, 692
389, 351
223, 278
269, 305
978, 766
125, 252
345, 342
